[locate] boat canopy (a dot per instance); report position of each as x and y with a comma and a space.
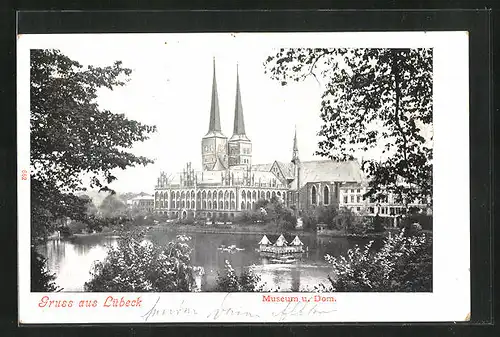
296, 242
264, 241
281, 241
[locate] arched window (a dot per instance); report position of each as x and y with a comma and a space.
242, 205
172, 204
221, 205
243, 194
214, 204
209, 196
233, 204
183, 204
253, 205
249, 206
220, 194
268, 195
183, 195
226, 204
204, 194
192, 194
209, 204
249, 195
274, 194
326, 195
313, 195
204, 204
192, 204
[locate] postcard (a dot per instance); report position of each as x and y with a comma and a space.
243, 177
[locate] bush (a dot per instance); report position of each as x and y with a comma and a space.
41, 279
377, 224
352, 223
403, 264
136, 265
228, 281
422, 219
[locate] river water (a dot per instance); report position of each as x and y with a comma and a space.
72, 259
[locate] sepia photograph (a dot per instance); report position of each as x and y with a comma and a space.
229, 163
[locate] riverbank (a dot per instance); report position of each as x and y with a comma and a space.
265, 230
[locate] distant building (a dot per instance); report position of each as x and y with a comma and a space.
143, 202
230, 183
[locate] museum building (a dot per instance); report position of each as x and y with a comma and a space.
231, 183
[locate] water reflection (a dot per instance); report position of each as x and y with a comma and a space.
72, 260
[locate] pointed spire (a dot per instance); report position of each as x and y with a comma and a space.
295, 147
239, 123
214, 107
295, 154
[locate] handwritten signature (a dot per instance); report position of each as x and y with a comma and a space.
156, 311
225, 310
301, 309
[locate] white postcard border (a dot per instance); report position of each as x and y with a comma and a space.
450, 300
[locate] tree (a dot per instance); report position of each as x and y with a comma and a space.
41, 279
372, 98
403, 264
136, 265
72, 138
228, 280
112, 206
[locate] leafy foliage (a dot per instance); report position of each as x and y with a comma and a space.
228, 281
404, 263
72, 138
372, 98
136, 265
271, 211
112, 206
41, 279
320, 214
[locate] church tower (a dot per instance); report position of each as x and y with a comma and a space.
239, 146
296, 169
214, 143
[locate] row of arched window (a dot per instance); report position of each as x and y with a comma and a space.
221, 200
314, 195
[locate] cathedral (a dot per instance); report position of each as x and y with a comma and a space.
230, 183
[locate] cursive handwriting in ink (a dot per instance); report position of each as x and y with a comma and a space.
155, 311
225, 310
301, 309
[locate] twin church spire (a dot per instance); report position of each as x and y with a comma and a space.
214, 125
239, 122
217, 152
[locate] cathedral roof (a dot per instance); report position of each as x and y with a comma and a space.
329, 170
262, 167
219, 165
287, 169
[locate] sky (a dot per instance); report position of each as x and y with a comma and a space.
170, 87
